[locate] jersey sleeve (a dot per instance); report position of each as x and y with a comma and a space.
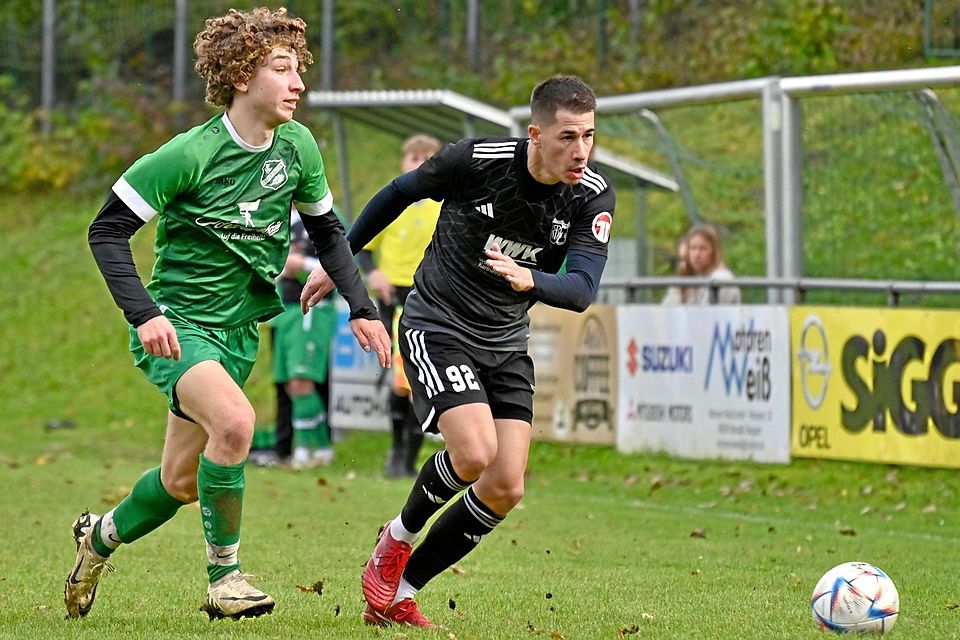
312, 196
158, 178
594, 222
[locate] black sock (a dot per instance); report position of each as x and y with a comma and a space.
435, 485
455, 534
414, 439
398, 413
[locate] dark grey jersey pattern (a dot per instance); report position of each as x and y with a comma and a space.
489, 197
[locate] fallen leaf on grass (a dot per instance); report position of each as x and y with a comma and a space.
655, 483
629, 631
953, 605
848, 531
698, 533
458, 570
930, 508
316, 587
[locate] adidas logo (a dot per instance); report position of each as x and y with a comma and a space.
472, 538
486, 209
433, 497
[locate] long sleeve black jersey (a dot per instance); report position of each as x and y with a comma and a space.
489, 197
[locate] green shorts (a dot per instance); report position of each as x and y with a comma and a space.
235, 350
301, 343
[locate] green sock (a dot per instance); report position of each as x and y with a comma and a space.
309, 421
146, 507
221, 506
323, 426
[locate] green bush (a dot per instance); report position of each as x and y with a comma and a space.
30, 159
111, 125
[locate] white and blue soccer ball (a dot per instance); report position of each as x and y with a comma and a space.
856, 597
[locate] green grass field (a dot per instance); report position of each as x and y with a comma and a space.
603, 546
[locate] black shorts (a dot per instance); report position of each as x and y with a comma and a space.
444, 372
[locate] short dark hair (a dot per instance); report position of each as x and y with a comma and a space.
569, 93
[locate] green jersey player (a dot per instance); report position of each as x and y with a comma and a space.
222, 194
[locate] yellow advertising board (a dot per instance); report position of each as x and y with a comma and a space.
574, 355
880, 385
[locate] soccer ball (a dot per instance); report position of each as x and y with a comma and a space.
855, 596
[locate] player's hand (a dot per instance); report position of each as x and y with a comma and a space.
520, 278
318, 285
380, 285
372, 335
159, 338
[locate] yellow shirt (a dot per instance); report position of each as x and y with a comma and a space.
399, 248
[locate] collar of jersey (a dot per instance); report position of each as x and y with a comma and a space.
240, 141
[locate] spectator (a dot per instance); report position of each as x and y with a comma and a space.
705, 260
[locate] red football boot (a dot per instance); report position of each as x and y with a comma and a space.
381, 576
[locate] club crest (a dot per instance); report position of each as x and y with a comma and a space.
274, 174
558, 233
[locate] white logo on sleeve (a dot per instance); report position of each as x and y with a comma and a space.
486, 209
601, 226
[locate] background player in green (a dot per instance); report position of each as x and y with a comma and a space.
301, 358
222, 193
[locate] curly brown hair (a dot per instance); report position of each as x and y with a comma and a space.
231, 47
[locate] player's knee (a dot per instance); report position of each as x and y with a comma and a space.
236, 429
469, 464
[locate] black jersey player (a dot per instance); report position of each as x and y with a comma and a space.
514, 209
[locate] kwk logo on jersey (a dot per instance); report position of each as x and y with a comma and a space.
601, 226
274, 174
520, 251
558, 233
